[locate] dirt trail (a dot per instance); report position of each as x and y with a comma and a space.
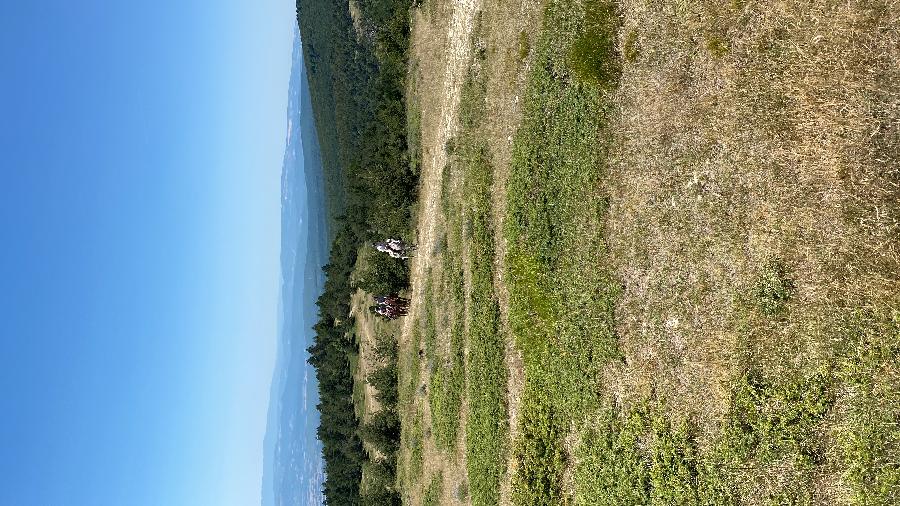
365, 326
441, 42
458, 56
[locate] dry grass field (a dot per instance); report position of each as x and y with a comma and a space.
659, 254
754, 223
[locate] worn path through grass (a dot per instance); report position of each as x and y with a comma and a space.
440, 52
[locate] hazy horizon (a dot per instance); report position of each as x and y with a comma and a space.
293, 465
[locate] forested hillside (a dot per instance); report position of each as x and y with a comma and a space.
357, 69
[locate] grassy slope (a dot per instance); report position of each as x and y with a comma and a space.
485, 369
706, 317
461, 344
562, 296
596, 427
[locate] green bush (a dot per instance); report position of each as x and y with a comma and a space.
384, 379
381, 274
382, 431
716, 45
434, 491
524, 45
768, 421
593, 57
538, 451
378, 487
773, 288
386, 348
630, 49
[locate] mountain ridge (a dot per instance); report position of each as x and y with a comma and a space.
293, 467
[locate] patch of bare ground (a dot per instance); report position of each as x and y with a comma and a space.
367, 361
363, 32
745, 133
365, 334
441, 58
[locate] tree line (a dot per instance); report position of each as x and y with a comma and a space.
357, 87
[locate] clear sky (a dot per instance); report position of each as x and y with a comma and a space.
141, 148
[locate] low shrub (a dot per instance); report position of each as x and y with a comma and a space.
593, 56
773, 288
538, 452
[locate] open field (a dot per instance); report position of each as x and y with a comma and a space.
659, 254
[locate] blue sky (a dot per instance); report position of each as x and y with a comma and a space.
139, 220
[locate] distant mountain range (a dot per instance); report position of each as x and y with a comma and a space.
293, 466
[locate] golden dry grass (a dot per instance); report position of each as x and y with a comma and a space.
745, 133
787, 146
